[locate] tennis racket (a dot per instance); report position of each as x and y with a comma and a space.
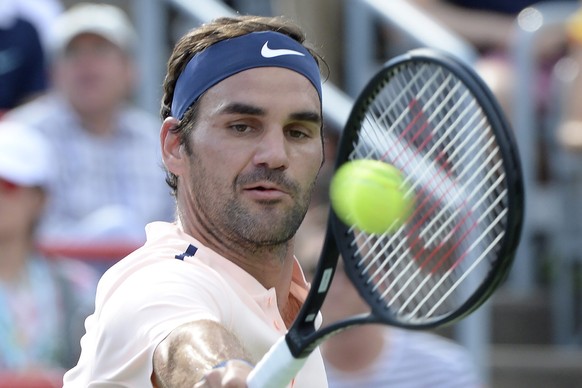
433, 118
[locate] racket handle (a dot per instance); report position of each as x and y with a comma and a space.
277, 367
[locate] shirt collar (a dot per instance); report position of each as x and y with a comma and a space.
299, 286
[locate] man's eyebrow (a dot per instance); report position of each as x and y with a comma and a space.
246, 109
240, 108
307, 116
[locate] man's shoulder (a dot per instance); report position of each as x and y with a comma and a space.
164, 246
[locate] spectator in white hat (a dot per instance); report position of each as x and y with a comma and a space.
43, 302
108, 183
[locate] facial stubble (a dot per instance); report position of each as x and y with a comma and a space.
225, 214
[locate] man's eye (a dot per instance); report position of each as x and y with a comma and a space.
296, 134
241, 128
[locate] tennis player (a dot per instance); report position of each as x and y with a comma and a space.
206, 296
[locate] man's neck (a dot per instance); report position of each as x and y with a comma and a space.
270, 266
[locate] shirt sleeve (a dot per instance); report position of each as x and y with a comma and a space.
144, 309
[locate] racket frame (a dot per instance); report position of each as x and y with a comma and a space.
511, 164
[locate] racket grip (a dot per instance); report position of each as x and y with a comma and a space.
277, 367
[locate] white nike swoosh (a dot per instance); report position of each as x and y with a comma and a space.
267, 52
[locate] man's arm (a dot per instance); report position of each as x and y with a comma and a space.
191, 352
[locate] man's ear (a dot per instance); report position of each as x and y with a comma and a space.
172, 156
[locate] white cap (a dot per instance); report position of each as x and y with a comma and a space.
105, 20
25, 155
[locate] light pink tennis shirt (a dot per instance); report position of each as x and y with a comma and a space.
172, 280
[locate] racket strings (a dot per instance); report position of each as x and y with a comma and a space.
427, 123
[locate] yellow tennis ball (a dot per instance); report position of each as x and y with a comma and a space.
370, 195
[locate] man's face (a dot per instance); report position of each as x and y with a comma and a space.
256, 151
94, 74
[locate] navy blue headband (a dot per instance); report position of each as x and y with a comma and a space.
228, 57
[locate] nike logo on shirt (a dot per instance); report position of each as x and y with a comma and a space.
267, 52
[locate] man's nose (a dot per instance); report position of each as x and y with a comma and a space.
272, 151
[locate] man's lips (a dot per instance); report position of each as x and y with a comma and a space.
265, 190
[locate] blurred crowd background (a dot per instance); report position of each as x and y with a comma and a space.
80, 172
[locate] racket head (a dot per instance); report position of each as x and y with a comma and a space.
433, 118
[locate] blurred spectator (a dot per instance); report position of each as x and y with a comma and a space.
570, 129
23, 70
489, 25
43, 303
109, 183
378, 355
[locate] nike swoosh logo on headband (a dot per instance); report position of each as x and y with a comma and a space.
267, 52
